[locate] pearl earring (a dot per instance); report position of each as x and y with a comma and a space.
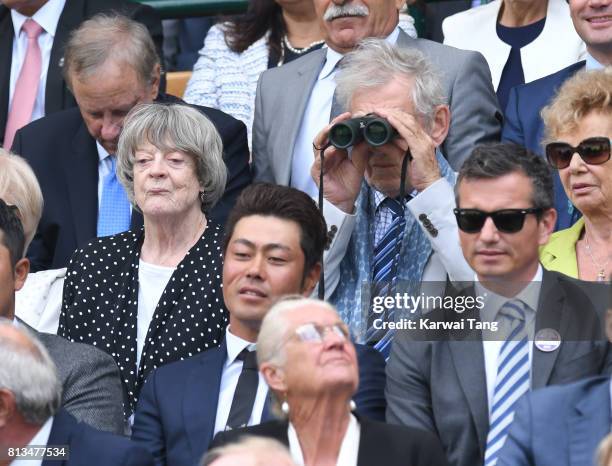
285, 408
352, 405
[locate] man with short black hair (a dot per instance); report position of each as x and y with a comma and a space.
504, 213
274, 243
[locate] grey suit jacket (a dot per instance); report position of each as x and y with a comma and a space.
283, 94
90, 380
440, 386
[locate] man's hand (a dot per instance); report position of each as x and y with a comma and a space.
423, 170
342, 176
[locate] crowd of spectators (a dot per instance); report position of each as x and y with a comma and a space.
348, 245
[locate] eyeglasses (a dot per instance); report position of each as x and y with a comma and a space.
506, 220
593, 151
313, 333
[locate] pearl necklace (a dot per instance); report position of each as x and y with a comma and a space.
601, 274
287, 44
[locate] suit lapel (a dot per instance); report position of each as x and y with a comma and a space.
552, 313
6, 53
267, 414
589, 423
201, 395
56, 92
82, 158
298, 88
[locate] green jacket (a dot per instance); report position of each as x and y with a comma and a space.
559, 254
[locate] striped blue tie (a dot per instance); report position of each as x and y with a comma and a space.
512, 380
114, 213
386, 253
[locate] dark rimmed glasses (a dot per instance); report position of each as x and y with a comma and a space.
505, 220
594, 151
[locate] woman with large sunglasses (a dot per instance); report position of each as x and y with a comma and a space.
578, 125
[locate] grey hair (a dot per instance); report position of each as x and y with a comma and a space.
19, 187
28, 372
110, 36
174, 127
264, 450
375, 63
274, 327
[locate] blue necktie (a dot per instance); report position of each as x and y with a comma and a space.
386, 253
511, 382
114, 213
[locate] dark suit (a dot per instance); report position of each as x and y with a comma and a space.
379, 443
523, 125
64, 157
441, 385
57, 95
176, 412
91, 386
559, 426
91, 447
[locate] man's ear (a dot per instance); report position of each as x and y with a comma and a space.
155, 80
546, 225
274, 376
7, 407
440, 124
22, 268
311, 279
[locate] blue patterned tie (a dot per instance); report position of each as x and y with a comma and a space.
386, 252
512, 380
114, 214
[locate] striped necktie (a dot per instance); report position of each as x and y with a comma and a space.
386, 253
512, 380
114, 214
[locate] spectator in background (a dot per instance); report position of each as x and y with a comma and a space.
111, 65
306, 356
90, 378
523, 124
238, 50
31, 416
295, 101
578, 125
153, 295
32, 86
39, 301
521, 40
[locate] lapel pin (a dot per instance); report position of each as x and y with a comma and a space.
547, 340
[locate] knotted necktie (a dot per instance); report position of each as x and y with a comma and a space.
336, 108
114, 214
384, 278
246, 389
512, 380
26, 88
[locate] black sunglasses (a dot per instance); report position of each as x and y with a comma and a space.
593, 151
506, 220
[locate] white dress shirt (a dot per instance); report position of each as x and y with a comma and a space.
316, 116
490, 312
229, 379
349, 450
47, 17
152, 281
39, 440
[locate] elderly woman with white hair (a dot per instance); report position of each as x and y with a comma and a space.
306, 356
153, 296
39, 302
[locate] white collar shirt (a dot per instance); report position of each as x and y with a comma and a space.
39, 440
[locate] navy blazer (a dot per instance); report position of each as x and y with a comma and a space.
92, 447
559, 425
177, 408
523, 125
64, 158
57, 95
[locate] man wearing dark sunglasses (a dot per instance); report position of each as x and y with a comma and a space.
465, 391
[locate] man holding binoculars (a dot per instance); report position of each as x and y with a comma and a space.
397, 109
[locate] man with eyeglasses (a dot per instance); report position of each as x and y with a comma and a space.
464, 384
274, 244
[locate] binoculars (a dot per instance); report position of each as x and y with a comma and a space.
375, 130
